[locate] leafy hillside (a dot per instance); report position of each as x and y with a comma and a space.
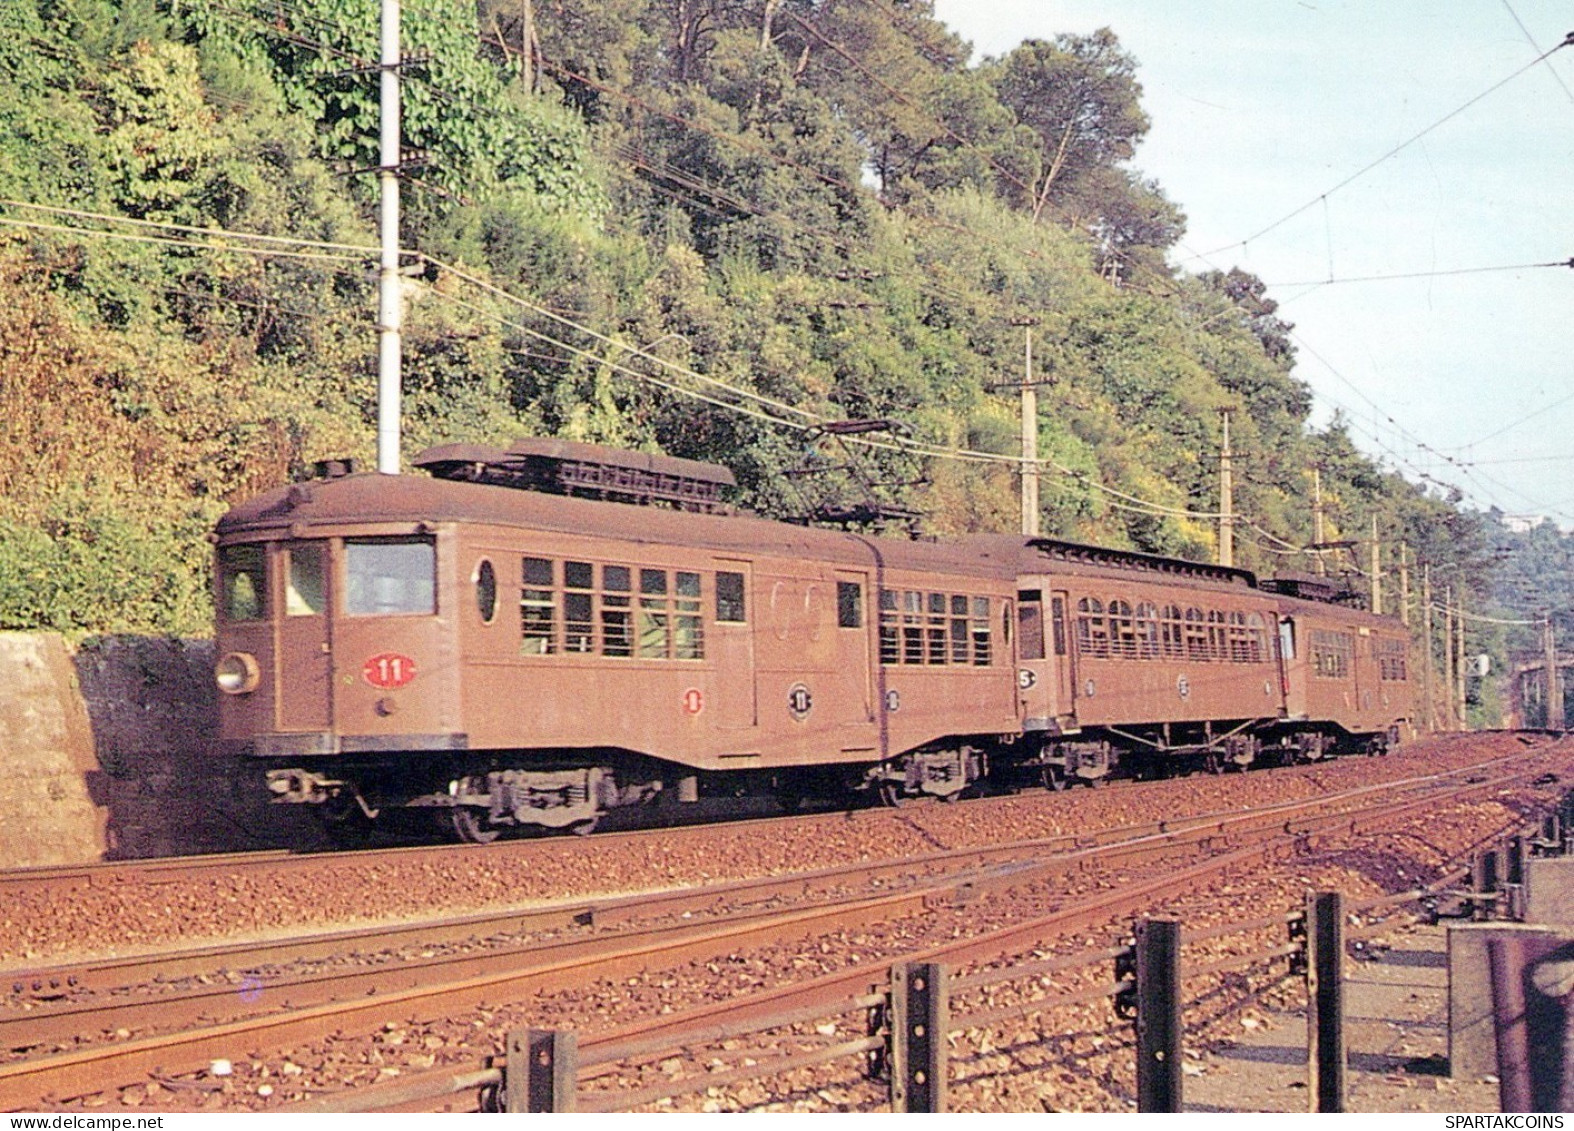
689, 226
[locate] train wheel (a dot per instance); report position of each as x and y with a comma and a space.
1214, 762
471, 826
341, 818
1053, 777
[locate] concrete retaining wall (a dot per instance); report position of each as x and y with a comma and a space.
106, 751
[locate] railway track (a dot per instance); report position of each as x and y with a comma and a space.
661, 930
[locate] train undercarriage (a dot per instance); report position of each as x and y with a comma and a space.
480, 797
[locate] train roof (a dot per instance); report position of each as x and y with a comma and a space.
370, 498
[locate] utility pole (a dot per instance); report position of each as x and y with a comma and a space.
1404, 584
1317, 518
1030, 469
1226, 499
527, 45
1377, 571
1549, 643
1459, 660
1427, 705
389, 300
1448, 657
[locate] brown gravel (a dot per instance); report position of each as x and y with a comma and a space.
1084, 1063
114, 918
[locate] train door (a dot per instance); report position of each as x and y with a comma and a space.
854, 658
1063, 659
305, 686
1035, 677
732, 645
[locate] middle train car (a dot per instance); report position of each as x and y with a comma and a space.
504, 657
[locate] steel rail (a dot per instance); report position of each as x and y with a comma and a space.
171, 868
88, 1070
60, 1023
120, 971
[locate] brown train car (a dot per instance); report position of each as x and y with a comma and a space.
1128, 657
502, 656
1347, 679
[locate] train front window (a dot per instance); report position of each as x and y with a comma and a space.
243, 583
304, 594
390, 576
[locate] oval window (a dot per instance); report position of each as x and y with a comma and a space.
486, 591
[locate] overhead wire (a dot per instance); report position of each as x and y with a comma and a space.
1367, 168
1314, 284
1534, 46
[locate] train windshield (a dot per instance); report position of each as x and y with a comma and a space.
390, 576
243, 583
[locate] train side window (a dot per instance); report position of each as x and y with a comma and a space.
1196, 635
729, 598
849, 604
1147, 628
890, 653
1122, 632
688, 641
983, 653
1256, 651
617, 617
1092, 633
935, 626
1172, 640
390, 576
579, 599
486, 591
1240, 653
1217, 644
912, 627
304, 591
243, 583
1287, 639
655, 622
1030, 624
959, 632
538, 608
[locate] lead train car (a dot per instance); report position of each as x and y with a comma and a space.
503, 657
508, 657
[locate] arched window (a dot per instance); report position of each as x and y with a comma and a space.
1239, 652
1171, 636
1123, 634
1147, 617
1196, 635
1217, 646
1256, 639
1092, 631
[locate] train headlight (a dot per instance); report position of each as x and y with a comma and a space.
237, 673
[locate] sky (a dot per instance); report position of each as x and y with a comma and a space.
1266, 116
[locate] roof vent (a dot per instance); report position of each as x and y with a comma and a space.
333, 468
562, 467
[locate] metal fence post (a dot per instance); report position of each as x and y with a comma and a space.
1158, 1015
920, 1020
1325, 1051
1514, 879
543, 1070
1484, 882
